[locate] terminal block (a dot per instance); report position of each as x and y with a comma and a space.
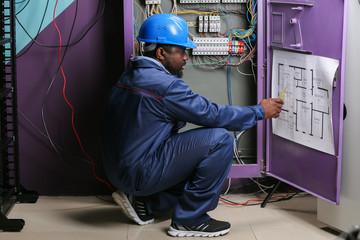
236, 47
152, 2
211, 46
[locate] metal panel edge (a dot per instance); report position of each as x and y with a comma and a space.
128, 31
299, 187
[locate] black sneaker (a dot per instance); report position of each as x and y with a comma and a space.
133, 207
211, 228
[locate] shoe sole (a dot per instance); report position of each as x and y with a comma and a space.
127, 208
180, 233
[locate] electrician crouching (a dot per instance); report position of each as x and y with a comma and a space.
154, 167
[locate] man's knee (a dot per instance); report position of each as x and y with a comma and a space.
224, 137
224, 144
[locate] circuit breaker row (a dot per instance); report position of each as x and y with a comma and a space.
209, 24
213, 1
198, 1
217, 46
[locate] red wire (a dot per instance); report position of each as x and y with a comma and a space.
255, 200
72, 108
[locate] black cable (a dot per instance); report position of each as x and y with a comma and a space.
68, 45
253, 204
37, 34
52, 81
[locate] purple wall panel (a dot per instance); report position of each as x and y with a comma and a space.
91, 67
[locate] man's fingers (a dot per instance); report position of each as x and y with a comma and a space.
278, 100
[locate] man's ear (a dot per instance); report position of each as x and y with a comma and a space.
160, 53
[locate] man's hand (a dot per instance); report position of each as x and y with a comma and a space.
272, 107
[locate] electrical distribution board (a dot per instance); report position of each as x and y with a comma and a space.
223, 66
232, 65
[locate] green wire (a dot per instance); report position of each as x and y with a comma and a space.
211, 63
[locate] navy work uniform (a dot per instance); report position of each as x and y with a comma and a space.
144, 155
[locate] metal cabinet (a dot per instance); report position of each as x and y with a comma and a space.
10, 189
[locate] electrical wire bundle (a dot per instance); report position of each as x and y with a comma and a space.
251, 16
210, 61
152, 9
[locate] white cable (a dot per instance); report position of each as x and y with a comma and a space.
259, 186
227, 190
245, 74
252, 68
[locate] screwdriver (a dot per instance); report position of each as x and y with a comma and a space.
283, 93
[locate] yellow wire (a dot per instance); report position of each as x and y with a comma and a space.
157, 9
140, 9
193, 11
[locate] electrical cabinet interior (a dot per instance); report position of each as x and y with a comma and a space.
233, 65
10, 189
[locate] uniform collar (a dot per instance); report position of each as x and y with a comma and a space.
142, 61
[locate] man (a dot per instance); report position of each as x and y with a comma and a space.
154, 167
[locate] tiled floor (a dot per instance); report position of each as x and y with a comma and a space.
75, 218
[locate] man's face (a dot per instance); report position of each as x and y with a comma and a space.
175, 59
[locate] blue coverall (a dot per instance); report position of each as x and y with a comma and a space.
144, 154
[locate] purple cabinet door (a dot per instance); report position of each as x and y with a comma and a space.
311, 27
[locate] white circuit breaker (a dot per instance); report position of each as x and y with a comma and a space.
211, 46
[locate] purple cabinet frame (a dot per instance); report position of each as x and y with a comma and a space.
319, 29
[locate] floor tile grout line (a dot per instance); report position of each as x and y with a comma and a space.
247, 220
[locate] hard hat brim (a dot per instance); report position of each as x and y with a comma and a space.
189, 44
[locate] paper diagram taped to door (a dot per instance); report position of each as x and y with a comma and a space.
306, 116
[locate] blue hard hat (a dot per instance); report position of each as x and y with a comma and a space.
167, 29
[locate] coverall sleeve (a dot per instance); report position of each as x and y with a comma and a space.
184, 105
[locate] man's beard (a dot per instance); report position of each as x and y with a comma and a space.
177, 72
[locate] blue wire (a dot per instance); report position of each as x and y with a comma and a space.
247, 16
230, 96
136, 26
20, 2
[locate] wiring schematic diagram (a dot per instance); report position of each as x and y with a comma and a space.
306, 116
